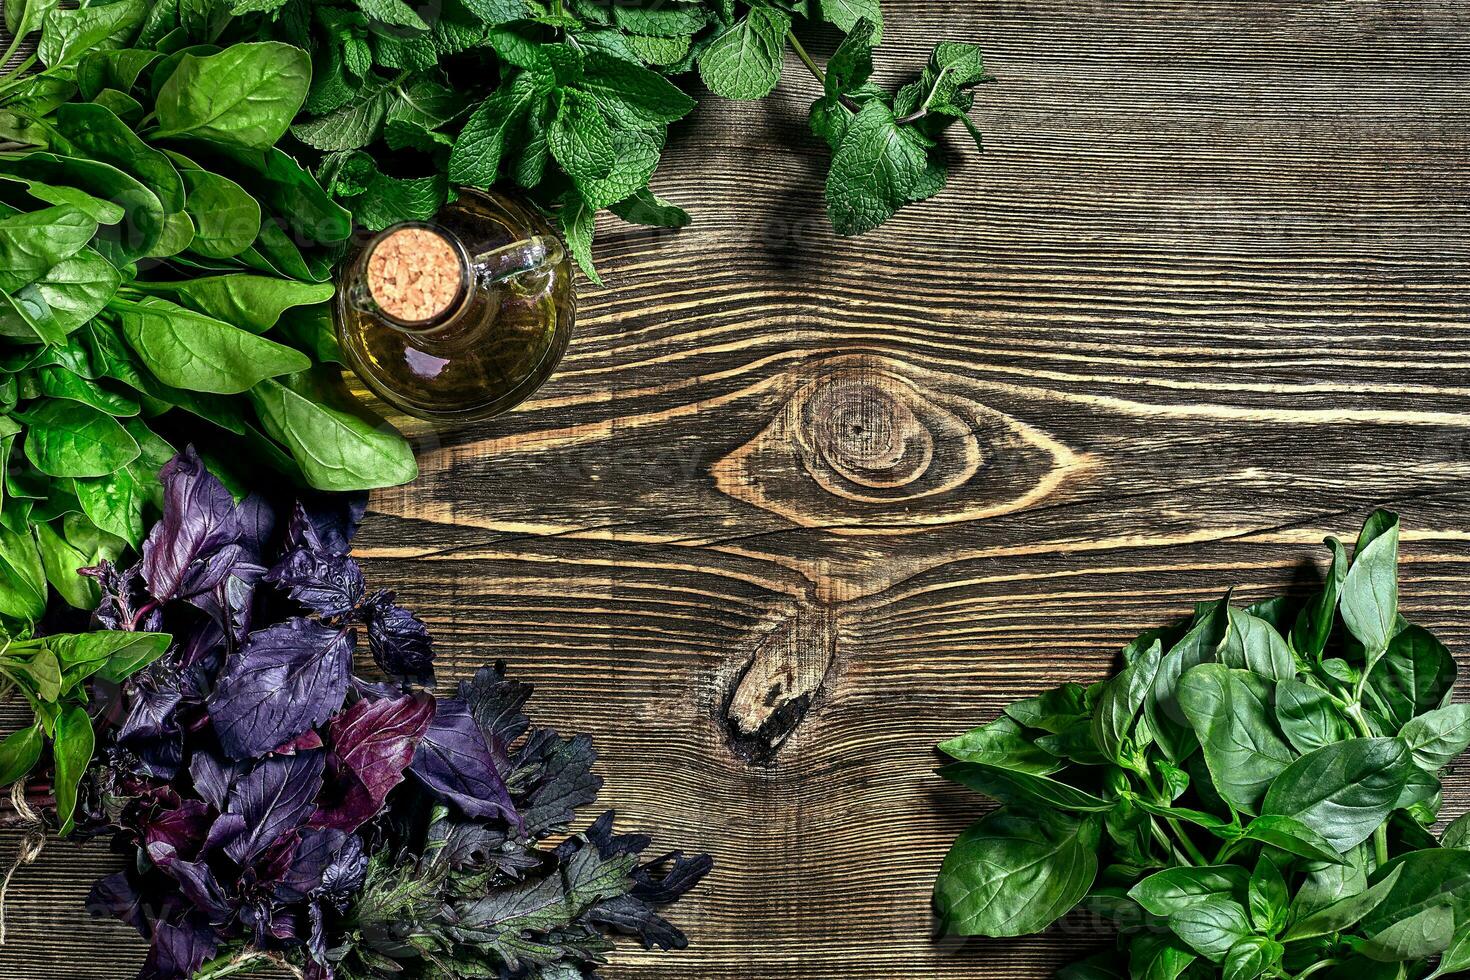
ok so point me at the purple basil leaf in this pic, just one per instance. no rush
(117, 897)
(189, 550)
(257, 521)
(226, 830)
(183, 829)
(284, 680)
(178, 951)
(373, 743)
(121, 591)
(151, 699)
(326, 524)
(399, 640)
(330, 585)
(328, 862)
(230, 601)
(454, 762)
(275, 798)
(212, 777)
(196, 882)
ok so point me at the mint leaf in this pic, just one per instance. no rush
(847, 13)
(580, 138)
(578, 224)
(394, 12)
(875, 170)
(475, 159)
(851, 65)
(637, 153)
(354, 125)
(389, 200)
(665, 20)
(646, 208)
(744, 60)
(632, 94)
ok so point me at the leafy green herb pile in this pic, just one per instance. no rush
(161, 259)
(571, 100)
(1247, 798)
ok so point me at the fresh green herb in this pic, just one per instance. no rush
(162, 264)
(1248, 797)
(51, 673)
(571, 100)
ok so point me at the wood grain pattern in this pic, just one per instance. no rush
(797, 507)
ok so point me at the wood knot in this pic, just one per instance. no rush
(868, 443)
(775, 689)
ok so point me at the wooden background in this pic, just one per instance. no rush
(797, 507)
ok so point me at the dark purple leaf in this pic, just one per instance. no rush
(286, 679)
(117, 897)
(497, 705)
(212, 777)
(399, 640)
(151, 701)
(305, 742)
(196, 882)
(178, 951)
(122, 598)
(552, 778)
(183, 829)
(454, 762)
(230, 601)
(326, 524)
(228, 828)
(275, 798)
(330, 585)
(373, 743)
(191, 548)
(257, 519)
(328, 862)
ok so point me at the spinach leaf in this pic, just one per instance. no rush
(246, 95)
(336, 448)
(197, 352)
(69, 439)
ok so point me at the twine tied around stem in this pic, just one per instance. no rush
(30, 846)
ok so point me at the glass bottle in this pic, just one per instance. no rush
(460, 317)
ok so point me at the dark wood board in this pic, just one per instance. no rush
(1202, 301)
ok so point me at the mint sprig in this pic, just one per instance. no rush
(569, 101)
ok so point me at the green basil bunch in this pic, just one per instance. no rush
(162, 264)
(1250, 796)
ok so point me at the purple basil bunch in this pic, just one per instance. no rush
(281, 808)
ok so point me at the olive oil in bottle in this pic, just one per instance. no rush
(460, 317)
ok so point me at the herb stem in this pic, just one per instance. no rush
(1355, 714)
(1315, 968)
(17, 75)
(1168, 845)
(816, 69)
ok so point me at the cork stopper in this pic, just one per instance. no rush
(414, 275)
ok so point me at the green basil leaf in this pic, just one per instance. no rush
(1251, 957)
(1370, 592)
(1343, 914)
(1173, 889)
(1345, 790)
(1122, 700)
(1001, 743)
(1211, 926)
(1437, 737)
(1015, 873)
(1308, 716)
(72, 750)
(1018, 786)
(1230, 711)
(1292, 836)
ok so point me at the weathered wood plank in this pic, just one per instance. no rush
(797, 507)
